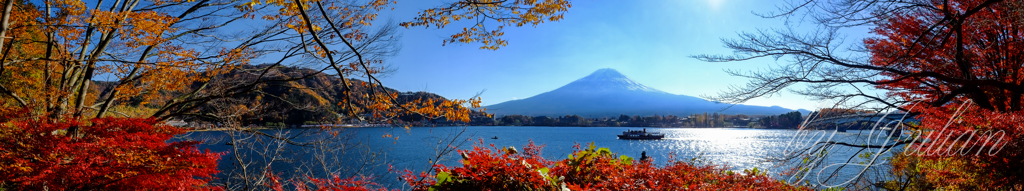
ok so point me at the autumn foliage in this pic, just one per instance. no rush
(335, 183)
(940, 57)
(972, 148)
(66, 66)
(962, 64)
(515, 13)
(110, 154)
(587, 168)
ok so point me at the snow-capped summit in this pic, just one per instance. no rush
(606, 79)
(608, 93)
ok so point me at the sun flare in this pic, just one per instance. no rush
(715, 4)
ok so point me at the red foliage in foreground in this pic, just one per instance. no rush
(486, 169)
(954, 53)
(973, 149)
(109, 154)
(586, 169)
(355, 183)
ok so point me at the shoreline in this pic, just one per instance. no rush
(402, 126)
(193, 129)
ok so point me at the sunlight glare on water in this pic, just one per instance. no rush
(736, 148)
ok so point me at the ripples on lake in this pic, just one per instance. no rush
(739, 148)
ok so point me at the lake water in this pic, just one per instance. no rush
(414, 149)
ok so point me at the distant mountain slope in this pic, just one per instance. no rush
(311, 99)
(608, 93)
(320, 94)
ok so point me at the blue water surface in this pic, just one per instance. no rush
(415, 148)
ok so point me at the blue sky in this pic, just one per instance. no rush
(649, 41)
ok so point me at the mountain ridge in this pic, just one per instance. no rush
(608, 93)
(289, 101)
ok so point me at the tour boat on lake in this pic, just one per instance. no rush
(634, 134)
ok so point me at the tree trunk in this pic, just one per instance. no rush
(5, 23)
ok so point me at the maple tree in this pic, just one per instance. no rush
(167, 59)
(954, 65)
(113, 154)
(67, 63)
(322, 184)
(981, 150)
(516, 13)
(964, 61)
(589, 168)
(961, 50)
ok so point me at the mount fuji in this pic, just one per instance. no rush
(608, 93)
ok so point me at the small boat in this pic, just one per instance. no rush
(643, 135)
(495, 137)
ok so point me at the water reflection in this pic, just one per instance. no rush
(735, 147)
